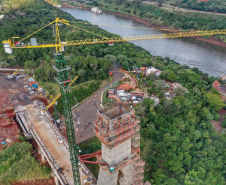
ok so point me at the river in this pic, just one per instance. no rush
(208, 57)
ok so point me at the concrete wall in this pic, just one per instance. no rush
(127, 171)
(107, 178)
(117, 153)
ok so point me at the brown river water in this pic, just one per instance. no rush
(207, 57)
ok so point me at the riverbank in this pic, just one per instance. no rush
(183, 9)
(165, 28)
(162, 28)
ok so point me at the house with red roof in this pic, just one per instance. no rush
(143, 68)
(220, 88)
(125, 86)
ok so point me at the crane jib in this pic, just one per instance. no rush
(9, 45)
(123, 39)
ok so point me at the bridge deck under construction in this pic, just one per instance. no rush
(38, 123)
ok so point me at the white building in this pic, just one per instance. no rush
(169, 96)
(96, 10)
(2, 16)
(150, 70)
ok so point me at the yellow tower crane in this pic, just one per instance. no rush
(9, 44)
(59, 95)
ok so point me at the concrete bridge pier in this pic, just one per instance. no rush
(43, 157)
(56, 180)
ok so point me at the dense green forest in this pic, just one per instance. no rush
(16, 163)
(179, 143)
(211, 5)
(161, 17)
(79, 93)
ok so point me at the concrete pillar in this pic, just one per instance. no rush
(107, 178)
(116, 154)
(43, 158)
(56, 180)
(127, 172)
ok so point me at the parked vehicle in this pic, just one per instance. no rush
(10, 77)
(60, 139)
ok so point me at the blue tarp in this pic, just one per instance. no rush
(34, 85)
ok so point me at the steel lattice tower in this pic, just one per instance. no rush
(63, 80)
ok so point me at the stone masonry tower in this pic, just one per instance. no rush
(118, 130)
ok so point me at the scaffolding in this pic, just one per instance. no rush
(114, 126)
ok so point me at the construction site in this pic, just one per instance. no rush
(116, 126)
(13, 94)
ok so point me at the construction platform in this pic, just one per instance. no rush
(38, 123)
(119, 132)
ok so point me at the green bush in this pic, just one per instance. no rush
(224, 124)
(224, 117)
(216, 117)
(79, 93)
(21, 138)
(16, 163)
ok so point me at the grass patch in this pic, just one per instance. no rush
(91, 146)
(51, 87)
(94, 168)
(86, 144)
(16, 163)
(54, 88)
(108, 100)
(81, 84)
(105, 99)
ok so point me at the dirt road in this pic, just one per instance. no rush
(217, 124)
(85, 114)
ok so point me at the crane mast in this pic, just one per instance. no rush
(63, 80)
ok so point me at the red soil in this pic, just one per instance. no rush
(217, 124)
(8, 131)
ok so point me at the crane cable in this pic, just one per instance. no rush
(146, 37)
(87, 31)
(64, 23)
(123, 26)
(131, 38)
(37, 31)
